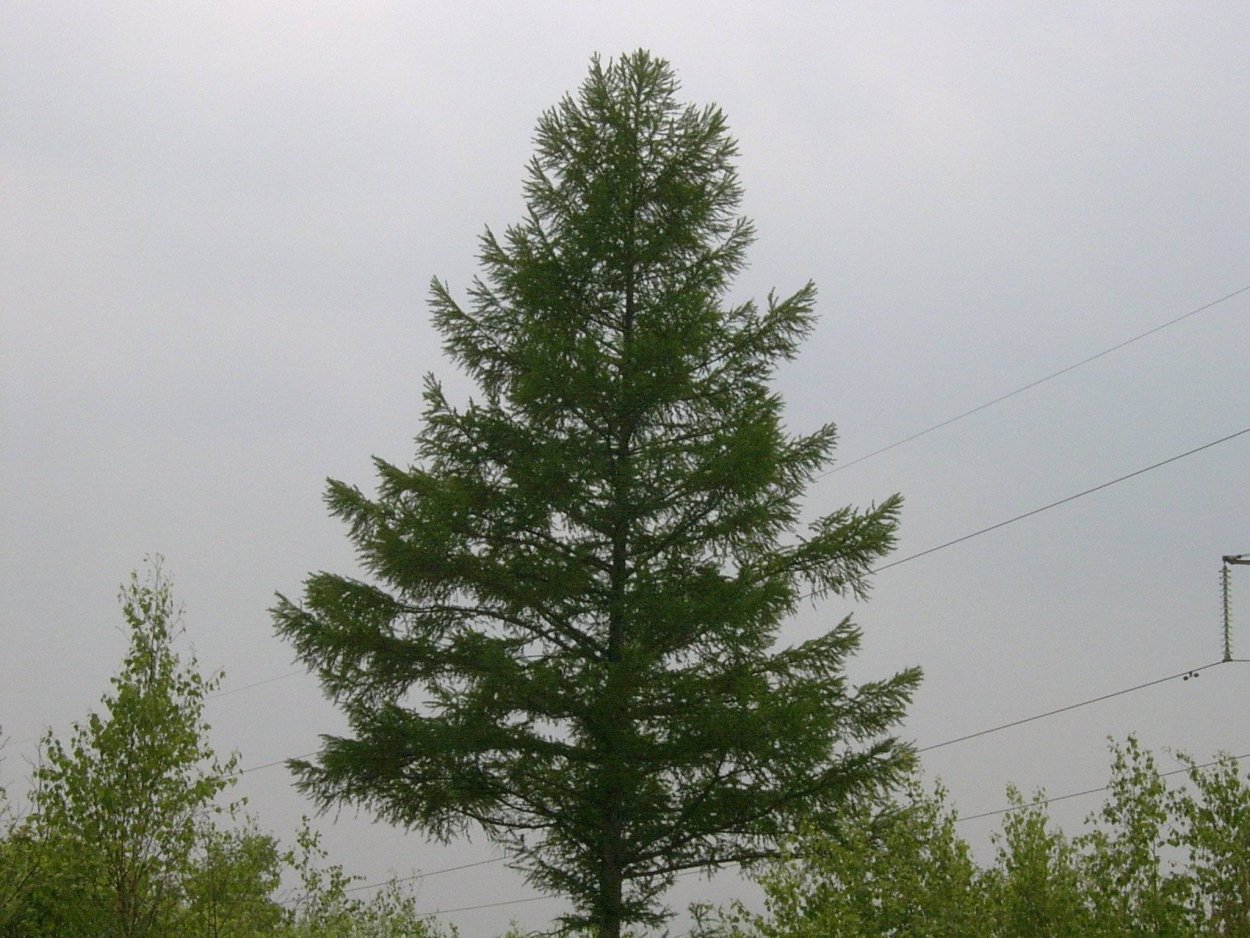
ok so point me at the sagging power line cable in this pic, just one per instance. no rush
(1185, 675)
(1061, 501)
(261, 683)
(276, 762)
(1041, 802)
(1032, 384)
(488, 905)
(415, 876)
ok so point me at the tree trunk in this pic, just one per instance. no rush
(611, 880)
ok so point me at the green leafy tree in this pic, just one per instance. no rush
(880, 870)
(1135, 883)
(229, 889)
(325, 905)
(1035, 888)
(1153, 861)
(119, 806)
(1213, 825)
(568, 635)
(19, 863)
(25, 870)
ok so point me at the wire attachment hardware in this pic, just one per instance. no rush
(1229, 560)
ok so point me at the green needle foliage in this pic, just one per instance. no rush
(568, 635)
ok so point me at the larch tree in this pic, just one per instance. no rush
(567, 633)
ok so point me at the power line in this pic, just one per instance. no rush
(415, 876)
(1187, 674)
(488, 905)
(1062, 501)
(268, 680)
(1032, 384)
(1041, 802)
(270, 765)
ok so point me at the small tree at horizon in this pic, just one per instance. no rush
(119, 806)
(124, 838)
(568, 635)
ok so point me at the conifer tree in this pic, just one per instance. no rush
(567, 632)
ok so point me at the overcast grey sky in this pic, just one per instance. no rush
(219, 221)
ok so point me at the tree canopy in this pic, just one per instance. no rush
(1156, 859)
(566, 633)
(125, 835)
(120, 807)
